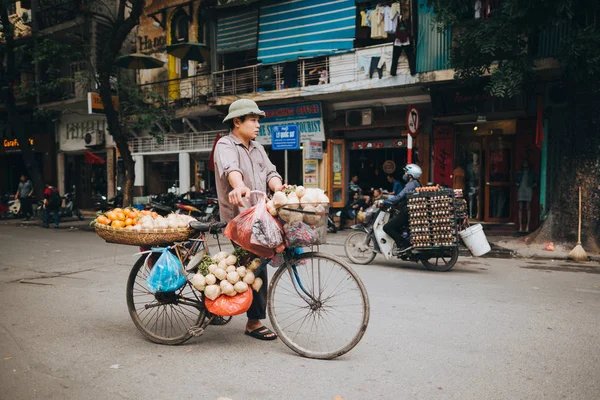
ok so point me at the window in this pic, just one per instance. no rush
(180, 27)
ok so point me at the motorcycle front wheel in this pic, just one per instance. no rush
(359, 248)
(441, 261)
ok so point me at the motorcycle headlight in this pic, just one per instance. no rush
(103, 197)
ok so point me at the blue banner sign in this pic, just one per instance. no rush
(285, 137)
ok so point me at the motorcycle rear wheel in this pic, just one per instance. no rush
(359, 248)
(442, 261)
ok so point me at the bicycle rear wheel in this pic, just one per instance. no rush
(318, 306)
(163, 318)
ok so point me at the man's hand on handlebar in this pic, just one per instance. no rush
(236, 196)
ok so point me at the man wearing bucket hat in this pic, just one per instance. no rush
(242, 165)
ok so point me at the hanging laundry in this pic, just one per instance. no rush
(363, 18)
(385, 59)
(369, 16)
(377, 23)
(363, 63)
(373, 67)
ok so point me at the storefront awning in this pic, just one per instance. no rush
(292, 29)
(91, 158)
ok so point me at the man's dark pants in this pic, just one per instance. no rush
(26, 209)
(258, 308)
(55, 211)
(397, 225)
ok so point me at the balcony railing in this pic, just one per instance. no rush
(262, 78)
(182, 92)
(319, 75)
(56, 12)
(192, 142)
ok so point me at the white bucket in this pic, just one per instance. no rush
(475, 240)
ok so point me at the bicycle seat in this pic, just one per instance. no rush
(207, 227)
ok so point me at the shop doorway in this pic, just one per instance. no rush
(374, 165)
(488, 163)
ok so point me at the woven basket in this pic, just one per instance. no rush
(145, 237)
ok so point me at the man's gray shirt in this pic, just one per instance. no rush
(25, 188)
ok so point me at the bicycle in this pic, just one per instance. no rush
(299, 299)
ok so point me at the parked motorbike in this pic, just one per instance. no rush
(369, 239)
(205, 211)
(102, 203)
(5, 203)
(69, 209)
(331, 227)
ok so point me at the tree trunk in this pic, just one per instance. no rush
(119, 33)
(574, 146)
(120, 137)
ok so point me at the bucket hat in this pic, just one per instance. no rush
(242, 107)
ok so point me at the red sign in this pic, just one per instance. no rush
(412, 120)
(443, 152)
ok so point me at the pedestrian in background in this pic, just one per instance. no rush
(24, 193)
(52, 203)
(397, 186)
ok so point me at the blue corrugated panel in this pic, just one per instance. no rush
(305, 28)
(237, 32)
(433, 46)
(550, 38)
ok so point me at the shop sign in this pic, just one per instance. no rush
(412, 120)
(389, 167)
(151, 45)
(285, 137)
(443, 156)
(314, 150)
(378, 144)
(308, 117)
(13, 145)
(95, 105)
(472, 100)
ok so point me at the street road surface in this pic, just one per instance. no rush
(489, 329)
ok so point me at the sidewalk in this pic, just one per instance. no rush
(502, 246)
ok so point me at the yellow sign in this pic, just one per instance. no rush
(14, 143)
(95, 105)
(337, 178)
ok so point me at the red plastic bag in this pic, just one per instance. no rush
(228, 306)
(239, 230)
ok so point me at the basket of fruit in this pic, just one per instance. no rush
(142, 228)
(303, 213)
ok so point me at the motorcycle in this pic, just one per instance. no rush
(369, 239)
(102, 203)
(5, 202)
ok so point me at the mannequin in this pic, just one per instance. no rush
(472, 174)
(525, 182)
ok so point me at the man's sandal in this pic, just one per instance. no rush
(262, 333)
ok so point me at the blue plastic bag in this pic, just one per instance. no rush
(167, 273)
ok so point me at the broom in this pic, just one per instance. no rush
(578, 253)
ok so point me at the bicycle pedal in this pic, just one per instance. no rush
(196, 331)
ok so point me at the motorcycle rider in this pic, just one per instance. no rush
(396, 227)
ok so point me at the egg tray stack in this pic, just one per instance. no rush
(460, 205)
(432, 217)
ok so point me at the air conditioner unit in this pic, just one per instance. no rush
(93, 138)
(359, 117)
(26, 17)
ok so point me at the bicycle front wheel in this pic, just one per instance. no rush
(164, 318)
(318, 306)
